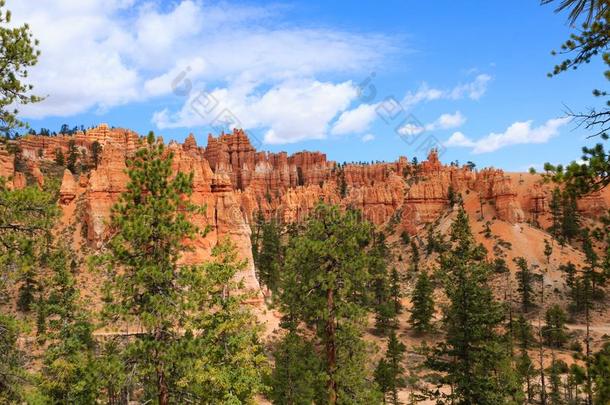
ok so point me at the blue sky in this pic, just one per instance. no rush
(469, 77)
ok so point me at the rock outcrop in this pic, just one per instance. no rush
(235, 181)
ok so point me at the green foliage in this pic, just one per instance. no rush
(389, 372)
(472, 354)
(96, 152)
(211, 354)
(325, 286)
(12, 372)
(600, 372)
(298, 375)
(17, 53)
(405, 237)
(525, 279)
(72, 156)
(268, 257)
(59, 157)
(554, 332)
(422, 299)
(590, 42)
(69, 368)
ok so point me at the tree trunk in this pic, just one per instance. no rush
(331, 347)
(162, 389)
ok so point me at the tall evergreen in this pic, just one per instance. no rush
(69, 372)
(471, 355)
(525, 279)
(422, 309)
(325, 286)
(196, 340)
(389, 373)
(269, 255)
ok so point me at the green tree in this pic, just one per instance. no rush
(298, 375)
(554, 331)
(59, 157)
(422, 300)
(600, 373)
(69, 367)
(197, 340)
(325, 286)
(588, 43)
(96, 153)
(525, 279)
(524, 363)
(17, 54)
(12, 371)
(472, 355)
(269, 255)
(389, 373)
(548, 251)
(72, 156)
(556, 214)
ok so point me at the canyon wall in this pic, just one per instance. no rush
(235, 181)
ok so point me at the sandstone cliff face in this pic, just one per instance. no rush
(235, 181)
(7, 164)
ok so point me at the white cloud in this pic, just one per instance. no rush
(97, 54)
(517, 133)
(473, 90)
(411, 129)
(356, 120)
(292, 111)
(445, 121)
(448, 121)
(368, 138)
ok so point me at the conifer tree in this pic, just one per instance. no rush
(297, 377)
(389, 371)
(525, 278)
(554, 331)
(17, 54)
(548, 251)
(525, 366)
(600, 375)
(325, 286)
(69, 372)
(197, 341)
(96, 153)
(72, 156)
(556, 214)
(423, 304)
(471, 355)
(12, 366)
(59, 157)
(268, 258)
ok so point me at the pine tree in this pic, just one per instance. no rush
(12, 366)
(414, 256)
(383, 303)
(324, 285)
(395, 294)
(548, 251)
(600, 374)
(59, 157)
(18, 53)
(570, 225)
(525, 278)
(72, 156)
(525, 366)
(389, 371)
(297, 377)
(472, 355)
(554, 331)
(69, 372)
(422, 310)
(269, 258)
(211, 354)
(96, 153)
